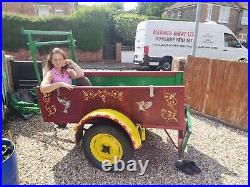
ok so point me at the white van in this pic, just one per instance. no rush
(157, 42)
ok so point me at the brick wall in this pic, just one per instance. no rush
(19, 8)
(23, 54)
(189, 13)
(118, 48)
(29, 8)
(203, 12)
(233, 18)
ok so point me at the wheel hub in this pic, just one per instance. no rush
(106, 147)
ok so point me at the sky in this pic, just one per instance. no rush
(127, 5)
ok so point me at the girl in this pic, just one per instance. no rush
(57, 72)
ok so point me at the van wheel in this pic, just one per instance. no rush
(166, 66)
(153, 68)
(105, 142)
(146, 68)
(142, 68)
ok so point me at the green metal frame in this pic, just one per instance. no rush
(137, 80)
(34, 44)
(27, 109)
(187, 135)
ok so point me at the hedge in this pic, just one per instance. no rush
(126, 24)
(88, 27)
(12, 37)
(92, 28)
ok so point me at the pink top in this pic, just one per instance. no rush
(58, 77)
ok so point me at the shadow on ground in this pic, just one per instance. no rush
(34, 128)
(75, 169)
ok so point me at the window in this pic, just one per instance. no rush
(209, 12)
(231, 41)
(244, 19)
(179, 15)
(42, 11)
(242, 37)
(224, 14)
(59, 12)
(172, 15)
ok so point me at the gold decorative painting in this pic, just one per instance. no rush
(51, 109)
(87, 95)
(171, 112)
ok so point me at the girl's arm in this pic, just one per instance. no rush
(77, 71)
(47, 87)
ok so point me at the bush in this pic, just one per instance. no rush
(13, 39)
(126, 24)
(92, 27)
(88, 25)
(11, 33)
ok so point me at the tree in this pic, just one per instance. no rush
(152, 9)
(117, 6)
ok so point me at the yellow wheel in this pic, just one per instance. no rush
(106, 142)
(106, 147)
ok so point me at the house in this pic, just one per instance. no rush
(234, 15)
(39, 8)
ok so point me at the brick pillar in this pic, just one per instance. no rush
(118, 49)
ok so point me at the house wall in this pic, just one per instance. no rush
(86, 56)
(189, 14)
(29, 8)
(18, 8)
(233, 18)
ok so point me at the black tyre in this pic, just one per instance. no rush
(146, 68)
(166, 66)
(104, 142)
(153, 68)
(142, 68)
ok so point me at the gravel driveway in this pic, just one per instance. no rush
(48, 156)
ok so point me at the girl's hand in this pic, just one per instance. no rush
(68, 62)
(66, 85)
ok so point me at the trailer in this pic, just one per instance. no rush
(113, 114)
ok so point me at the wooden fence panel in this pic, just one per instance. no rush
(219, 89)
(196, 73)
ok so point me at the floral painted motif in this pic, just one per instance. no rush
(51, 109)
(90, 94)
(169, 114)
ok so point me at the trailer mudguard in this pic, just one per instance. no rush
(119, 119)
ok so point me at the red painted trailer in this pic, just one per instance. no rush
(119, 106)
